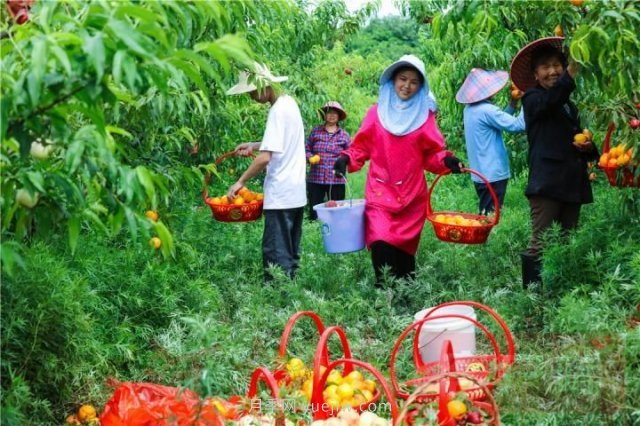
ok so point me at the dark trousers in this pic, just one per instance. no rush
(281, 240)
(400, 263)
(486, 206)
(544, 212)
(319, 192)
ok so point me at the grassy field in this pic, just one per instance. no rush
(206, 319)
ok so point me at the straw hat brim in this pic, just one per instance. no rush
(342, 115)
(480, 85)
(521, 73)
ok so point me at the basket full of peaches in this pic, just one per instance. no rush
(620, 163)
(246, 207)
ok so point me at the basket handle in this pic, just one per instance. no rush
(207, 178)
(421, 366)
(443, 416)
(511, 350)
(262, 374)
(321, 357)
(607, 138)
(288, 328)
(317, 400)
(496, 202)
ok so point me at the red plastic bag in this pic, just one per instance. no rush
(147, 404)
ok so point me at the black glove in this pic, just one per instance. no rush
(340, 166)
(453, 164)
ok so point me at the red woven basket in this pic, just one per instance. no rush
(318, 405)
(320, 359)
(448, 383)
(462, 233)
(232, 212)
(281, 374)
(619, 177)
(494, 364)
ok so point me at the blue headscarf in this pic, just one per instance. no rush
(401, 117)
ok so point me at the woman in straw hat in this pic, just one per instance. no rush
(558, 178)
(324, 144)
(484, 123)
(282, 150)
(400, 139)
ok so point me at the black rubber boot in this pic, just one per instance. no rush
(531, 269)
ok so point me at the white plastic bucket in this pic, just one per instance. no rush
(461, 332)
(342, 226)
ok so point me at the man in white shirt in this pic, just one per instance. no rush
(282, 153)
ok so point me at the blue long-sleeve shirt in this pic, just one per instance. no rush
(484, 123)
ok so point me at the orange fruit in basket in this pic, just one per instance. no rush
(238, 201)
(457, 409)
(330, 391)
(259, 197)
(604, 159)
(249, 196)
(215, 200)
(224, 200)
(623, 160)
(345, 391)
(369, 385)
(354, 376)
(612, 163)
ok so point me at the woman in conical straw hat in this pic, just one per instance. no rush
(484, 123)
(558, 183)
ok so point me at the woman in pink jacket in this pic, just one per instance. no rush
(400, 138)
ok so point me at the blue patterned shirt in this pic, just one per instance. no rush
(328, 146)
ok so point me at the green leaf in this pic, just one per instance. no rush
(73, 156)
(74, 232)
(129, 36)
(94, 48)
(146, 180)
(190, 71)
(62, 57)
(37, 180)
(119, 131)
(167, 239)
(11, 257)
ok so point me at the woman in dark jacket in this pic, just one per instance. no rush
(558, 176)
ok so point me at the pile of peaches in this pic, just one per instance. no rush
(245, 196)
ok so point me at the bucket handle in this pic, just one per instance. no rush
(346, 183)
(263, 374)
(511, 350)
(418, 325)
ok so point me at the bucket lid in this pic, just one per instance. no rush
(451, 323)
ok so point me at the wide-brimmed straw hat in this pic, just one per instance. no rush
(406, 60)
(521, 72)
(342, 114)
(259, 76)
(481, 84)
